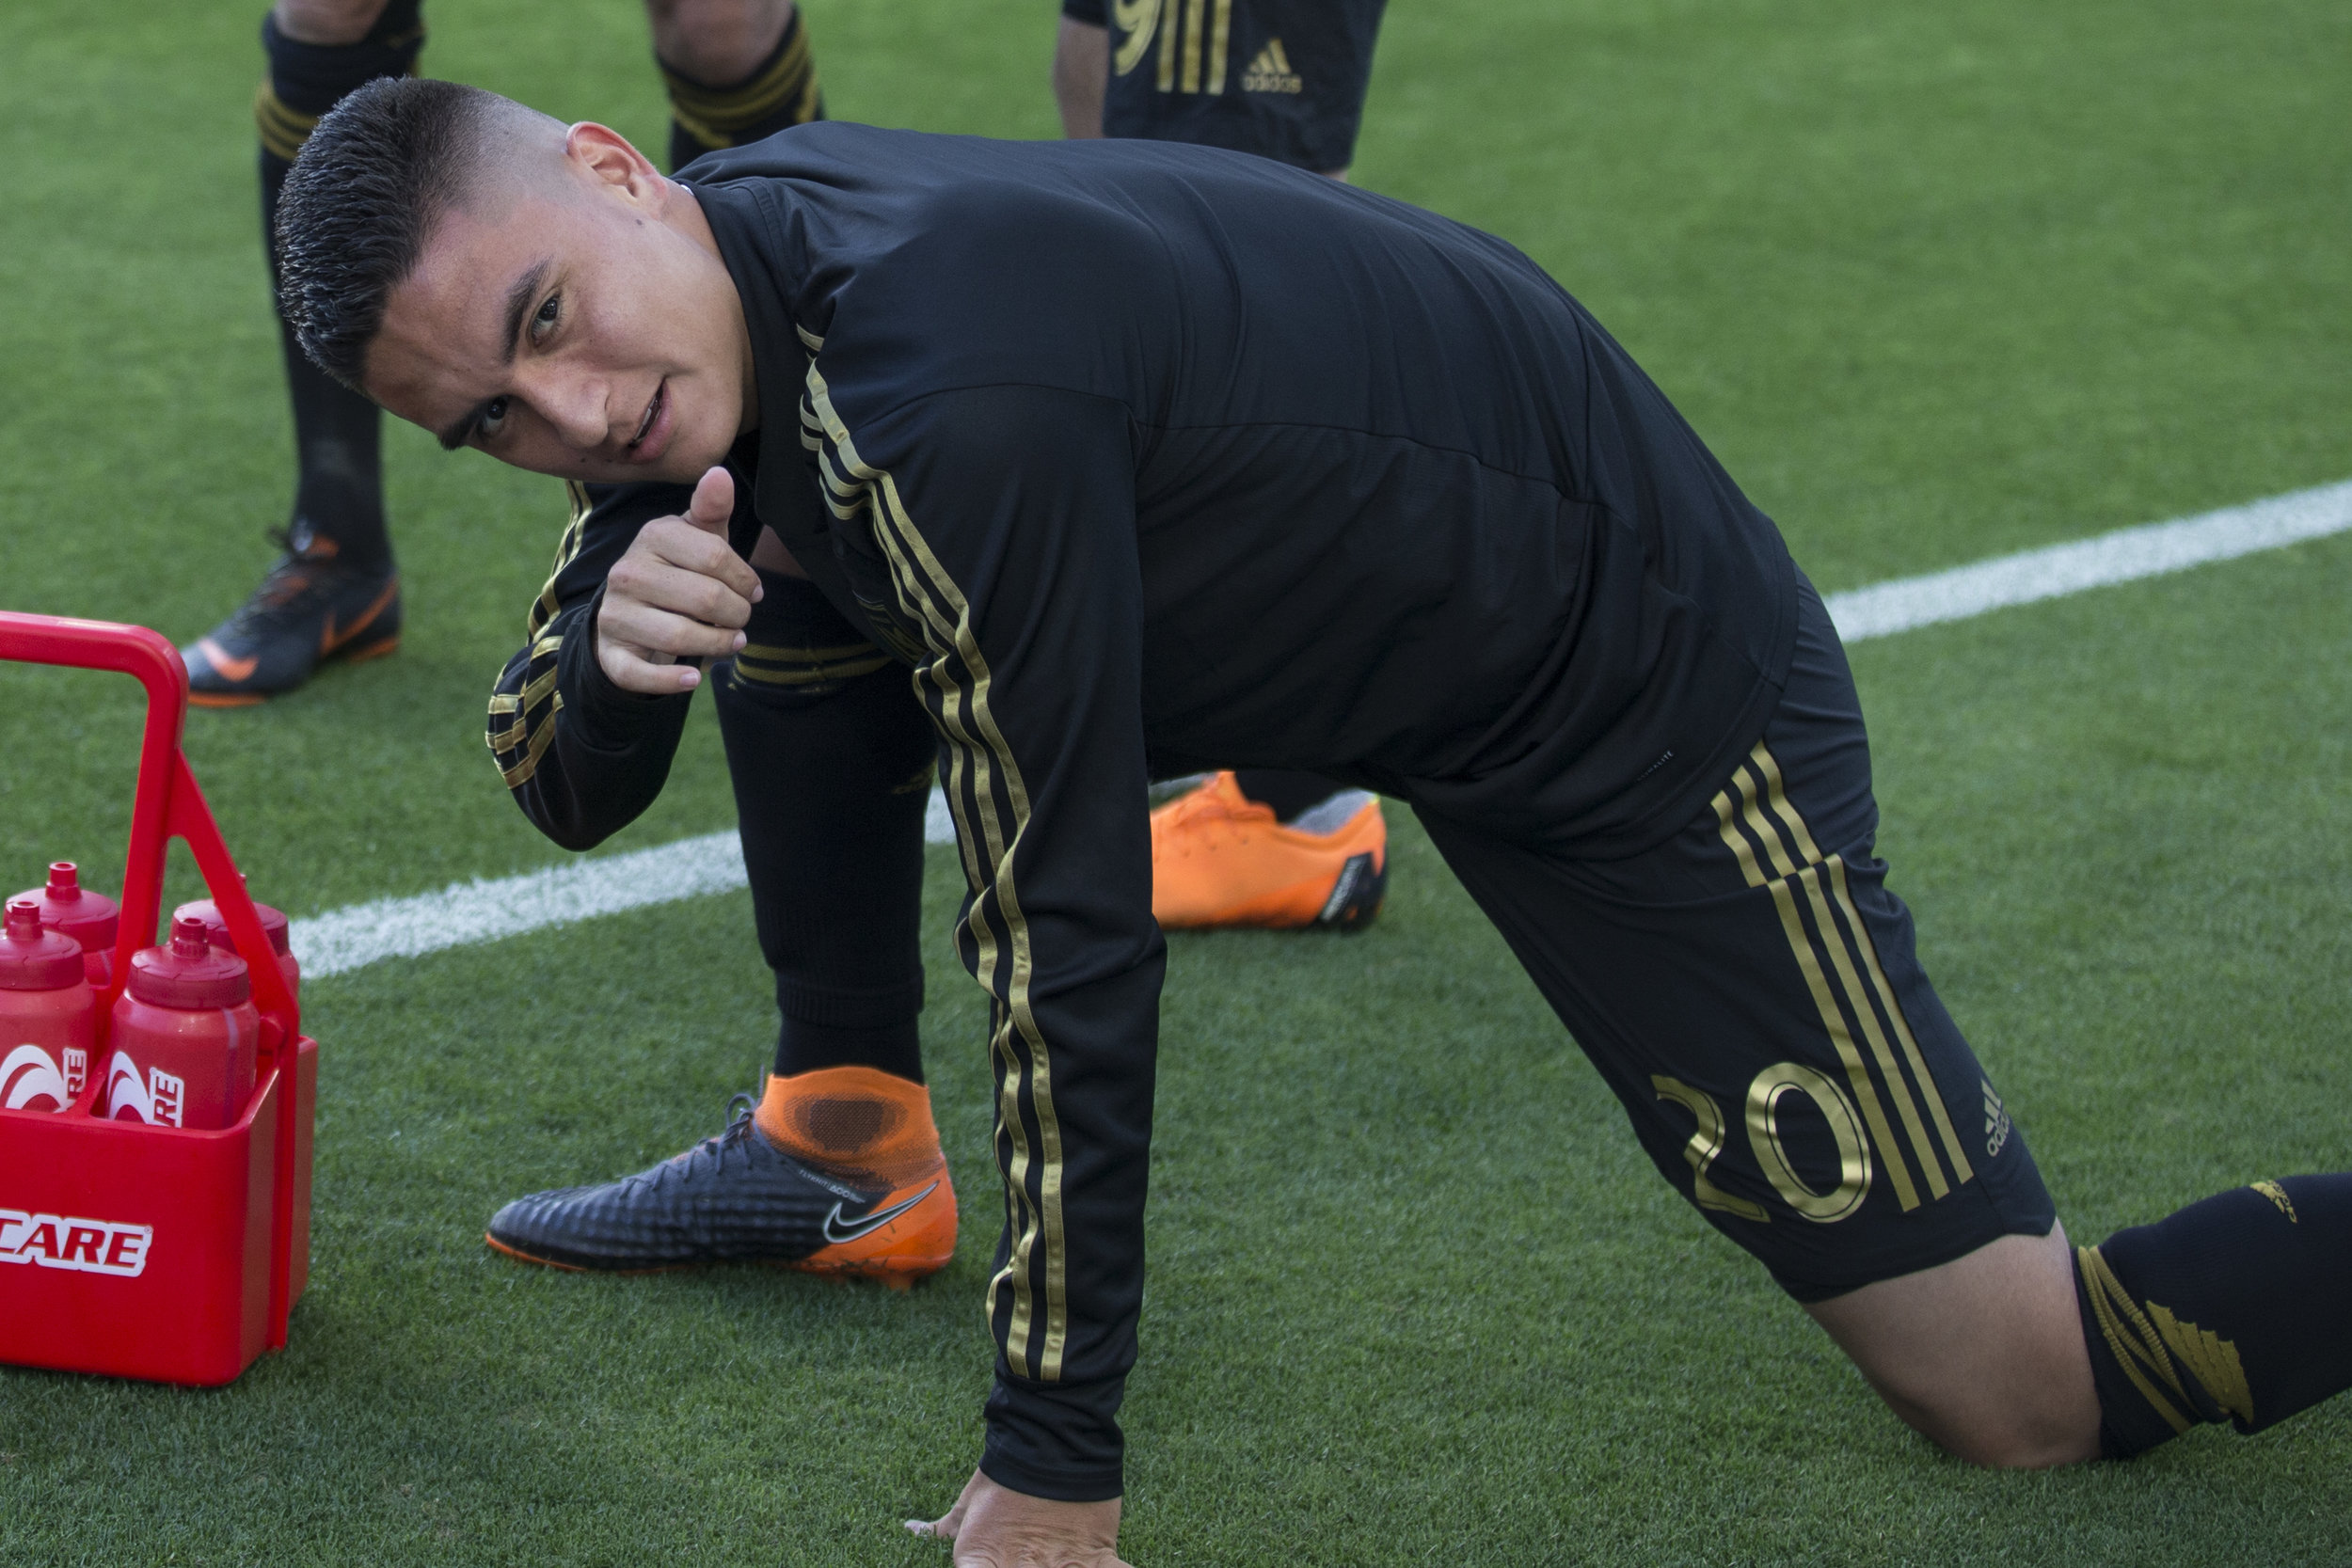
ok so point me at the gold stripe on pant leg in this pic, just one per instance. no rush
(1838, 945)
(1869, 952)
(1961, 1167)
(1809, 963)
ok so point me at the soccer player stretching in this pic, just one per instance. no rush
(1139, 456)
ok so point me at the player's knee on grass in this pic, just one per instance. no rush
(1981, 1355)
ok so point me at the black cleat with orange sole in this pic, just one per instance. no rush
(736, 1198)
(309, 608)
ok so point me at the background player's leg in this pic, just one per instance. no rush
(334, 592)
(1265, 847)
(1082, 64)
(738, 70)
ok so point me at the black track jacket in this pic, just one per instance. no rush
(1150, 458)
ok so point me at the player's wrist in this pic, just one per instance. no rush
(611, 714)
(1059, 1442)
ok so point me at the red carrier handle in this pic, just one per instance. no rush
(169, 805)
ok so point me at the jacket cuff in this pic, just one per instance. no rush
(1056, 1440)
(606, 718)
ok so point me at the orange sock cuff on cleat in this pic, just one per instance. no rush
(857, 1121)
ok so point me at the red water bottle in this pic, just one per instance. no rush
(273, 926)
(48, 1014)
(89, 918)
(185, 1036)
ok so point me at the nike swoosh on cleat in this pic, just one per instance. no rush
(228, 669)
(329, 641)
(836, 1232)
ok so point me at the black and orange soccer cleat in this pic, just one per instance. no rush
(834, 1172)
(1219, 858)
(309, 608)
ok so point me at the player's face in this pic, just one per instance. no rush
(574, 319)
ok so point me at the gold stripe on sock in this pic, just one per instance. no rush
(716, 115)
(2130, 1338)
(2210, 1360)
(283, 131)
(2279, 1199)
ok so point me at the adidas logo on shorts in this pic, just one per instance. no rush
(1996, 1122)
(1271, 71)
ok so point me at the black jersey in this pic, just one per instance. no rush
(1148, 457)
(1282, 78)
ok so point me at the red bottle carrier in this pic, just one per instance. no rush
(163, 1252)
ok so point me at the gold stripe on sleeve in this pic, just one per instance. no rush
(991, 802)
(543, 608)
(542, 736)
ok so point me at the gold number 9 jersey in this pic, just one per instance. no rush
(1284, 79)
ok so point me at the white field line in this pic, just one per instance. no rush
(2126, 555)
(463, 914)
(468, 913)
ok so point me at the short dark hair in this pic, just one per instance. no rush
(361, 200)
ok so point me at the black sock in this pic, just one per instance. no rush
(832, 759)
(2232, 1309)
(781, 91)
(339, 485)
(1289, 796)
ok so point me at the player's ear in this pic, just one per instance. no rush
(606, 156)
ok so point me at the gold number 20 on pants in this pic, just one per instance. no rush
(1764, 1093)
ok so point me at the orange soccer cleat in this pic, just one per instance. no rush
(1219, 858)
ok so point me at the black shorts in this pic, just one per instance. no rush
(1750, 990)
(1281, 78)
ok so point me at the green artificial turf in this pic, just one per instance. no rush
(1936, 282)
